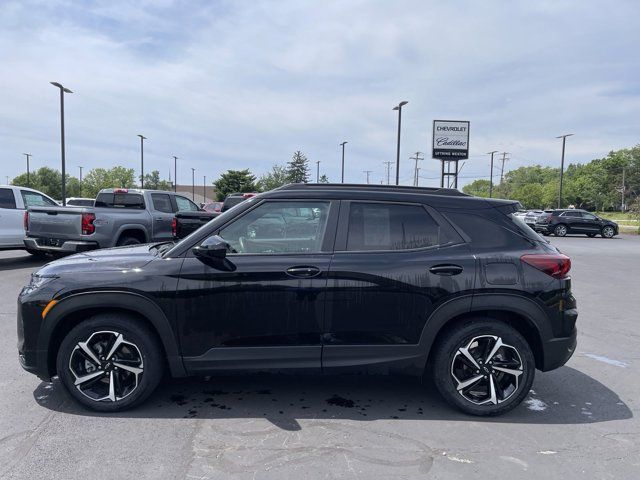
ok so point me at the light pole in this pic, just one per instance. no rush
(28, 155)
(343, 144)
(399, 109)
(142, 139)
(204, 189)
(193, 184)
(80, 179)
(318, 171)
(63, 90)
(175, 173)
(491, 175)
(564, 141)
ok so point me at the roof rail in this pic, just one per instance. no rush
(363, 186)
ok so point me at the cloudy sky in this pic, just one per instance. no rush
(243, 84)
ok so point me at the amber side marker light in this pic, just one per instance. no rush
(48, 307)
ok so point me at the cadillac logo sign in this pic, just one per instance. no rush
(450, 139)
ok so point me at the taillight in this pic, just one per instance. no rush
(87, 223)
(174, 226)
(556, 266)
(26, 220)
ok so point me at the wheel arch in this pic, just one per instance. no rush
(135, 231)
(71, 311)
(521, 313)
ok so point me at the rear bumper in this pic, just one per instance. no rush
(543, 228)
(558, 351)
(68, 246)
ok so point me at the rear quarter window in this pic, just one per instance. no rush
(487, 232)
(7, 200)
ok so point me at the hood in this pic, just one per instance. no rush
(108, 259)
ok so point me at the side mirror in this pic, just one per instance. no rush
(213, 248)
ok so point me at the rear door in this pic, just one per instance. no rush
(591, 223)
(162, 213)
(573, 220)
(393, 265)
(11, 220)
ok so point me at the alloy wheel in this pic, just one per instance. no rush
(560, 231)
(607, 232)
(106, 367)
(486, 370)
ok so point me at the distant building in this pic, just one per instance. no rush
(202, 194)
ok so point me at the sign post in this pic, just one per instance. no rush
(450, 145)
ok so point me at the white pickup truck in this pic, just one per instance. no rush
(14, 202)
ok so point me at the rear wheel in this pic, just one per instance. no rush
(608, 232)
(110, 362)
(124, 241)
(36, 253)
(560, 230)
(483, 367)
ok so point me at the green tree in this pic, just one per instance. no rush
(323, 179)
(234, 181)
(99, 178)
(277, 177)
(45, 179)
(634, 210)
(152, 181)
(478, 188)
(298, 168)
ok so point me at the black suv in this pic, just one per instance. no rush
(312, 278)
(566, 221)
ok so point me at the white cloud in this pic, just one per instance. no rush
(244, 84)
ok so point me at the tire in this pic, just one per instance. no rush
(546, 234)
(124, 241)
(113, 385)
(607, 231)
(36, 253)
(560, 230)
(448, 359)
(591, 235)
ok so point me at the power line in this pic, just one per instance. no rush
(367, 172)
(388, 167)
(504, 159)
(417, 158)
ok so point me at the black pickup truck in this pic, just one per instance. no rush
(185, 223)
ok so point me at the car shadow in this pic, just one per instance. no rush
(564, 396)
(23, 261)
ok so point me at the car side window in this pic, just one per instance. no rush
(35, 199)
(7, 200)
(386, 226)
(571, 214)
(279, 227)
(588, 216)
(185, 204)
(161, 202)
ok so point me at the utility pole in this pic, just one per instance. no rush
(343, 144)
(417, 158)
(63, 90)
(388, 167)
(204, 189)
(175, 173)
(317, 171)
(193, 184)
(80, 179)
(564, 140)
(7, 177)
(504, 159)
(142, 139)
(491, 174)
(28, 155)
(622, 190)
(367, 172)
(399, 109)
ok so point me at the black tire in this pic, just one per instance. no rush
(446, 353)
(124, 241)
(546, 234)
(591, 235)
(560, 230)
(134, 388)
(608, 232)
(36, 253)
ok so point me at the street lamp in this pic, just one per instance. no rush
(193, 184)
(80, 179)
(28, 155)
(399, 109)
(142, 139)
(343, 144)
(63, 90)
(564, 140)
(175, 173)
(491, 175)
(317, 171)
(204, 189)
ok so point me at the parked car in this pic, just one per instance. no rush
(573, 221)
(213, 207)
(312, 278)
(14, 201)
(234, 199)
(531, 216)
(80, 202)
(120, 217)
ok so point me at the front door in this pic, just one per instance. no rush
(162, 215)
(11, 219)
(394, 264)
(264, 307)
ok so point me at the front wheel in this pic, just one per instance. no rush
(110, 362)
(483, 367)
(608, 232)
(560, 230)
(591, 235)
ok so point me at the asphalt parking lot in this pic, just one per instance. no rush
(580, 421)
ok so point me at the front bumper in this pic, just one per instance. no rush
(68, 246)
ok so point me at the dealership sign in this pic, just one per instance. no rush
(450, 139)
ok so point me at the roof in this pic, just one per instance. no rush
(451, 192)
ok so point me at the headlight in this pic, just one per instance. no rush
(37, 281)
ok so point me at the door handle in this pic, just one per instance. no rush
(447, 270)
(303, 271)
(159, 219)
